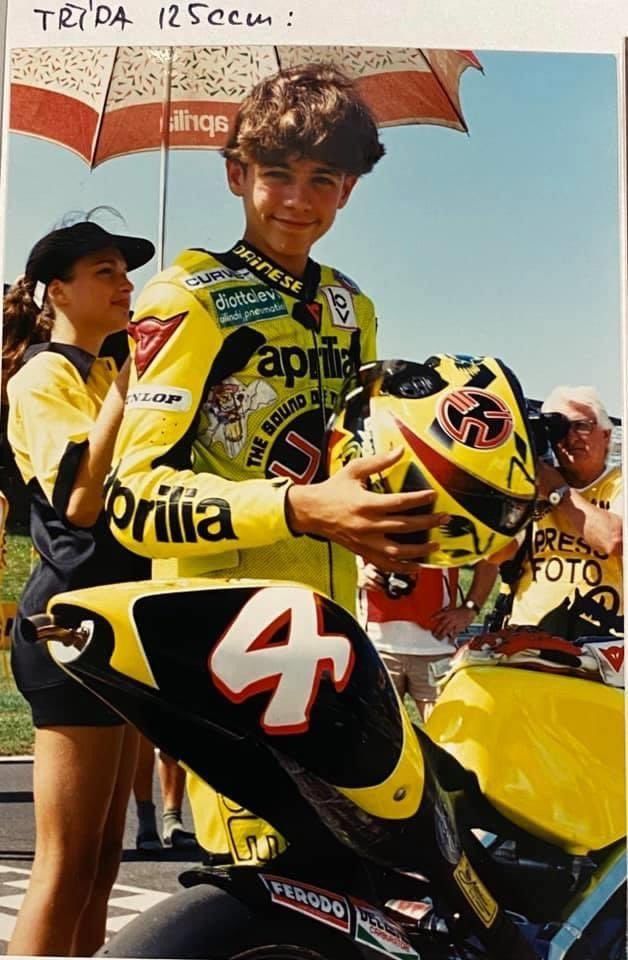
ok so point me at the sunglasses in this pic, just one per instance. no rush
(582, 427)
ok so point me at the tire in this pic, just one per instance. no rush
(281, 952)
(205, 923)
(189, 924)
(281, 937)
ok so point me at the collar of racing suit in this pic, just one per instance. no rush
(243, 255)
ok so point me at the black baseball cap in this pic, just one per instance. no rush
(55, 253)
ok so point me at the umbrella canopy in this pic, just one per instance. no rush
(104, 102)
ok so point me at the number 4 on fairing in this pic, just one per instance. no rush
(289, 654)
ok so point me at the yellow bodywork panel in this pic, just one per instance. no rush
(548, 750)
(399, 795)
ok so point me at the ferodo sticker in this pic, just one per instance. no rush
(475, 892)
(374, 930)
(327, 907)
(176, 399)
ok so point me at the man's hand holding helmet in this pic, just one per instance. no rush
(344, 510)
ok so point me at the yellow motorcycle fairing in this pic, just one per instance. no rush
(378, 765)
(115, 604)
(399, 796)
(547, 750)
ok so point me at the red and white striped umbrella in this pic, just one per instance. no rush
(104, 102)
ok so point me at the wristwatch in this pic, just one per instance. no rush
(471, 605)
(557, 496)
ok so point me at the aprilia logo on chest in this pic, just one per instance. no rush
(293, 363)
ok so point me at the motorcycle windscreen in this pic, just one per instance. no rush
(548, 750)
(277, 665)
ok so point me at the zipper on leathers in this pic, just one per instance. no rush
(321, 406)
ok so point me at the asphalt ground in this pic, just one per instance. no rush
(144, 878)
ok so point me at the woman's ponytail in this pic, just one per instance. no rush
(23, 324)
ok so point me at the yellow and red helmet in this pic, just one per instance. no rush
(462, 424)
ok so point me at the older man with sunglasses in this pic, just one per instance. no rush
(571, 582)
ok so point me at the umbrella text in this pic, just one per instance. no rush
(184, 121)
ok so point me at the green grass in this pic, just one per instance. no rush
(18, 553)
(16, 728)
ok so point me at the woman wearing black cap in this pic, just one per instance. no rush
(65, 406)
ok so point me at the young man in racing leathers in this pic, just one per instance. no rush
(239, 357)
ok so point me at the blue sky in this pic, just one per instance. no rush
(505, 242)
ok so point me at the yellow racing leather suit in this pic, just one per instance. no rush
(237, 365)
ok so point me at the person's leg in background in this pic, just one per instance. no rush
(419, 686)
(172, 780)
(394, 663)
(147, 836)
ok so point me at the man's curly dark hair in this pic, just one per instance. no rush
(312, 111)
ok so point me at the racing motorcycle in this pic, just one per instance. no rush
(496, 831)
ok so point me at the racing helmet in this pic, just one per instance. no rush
(463, 427)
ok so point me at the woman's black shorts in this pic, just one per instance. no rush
(69, 704)
(54, 697)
